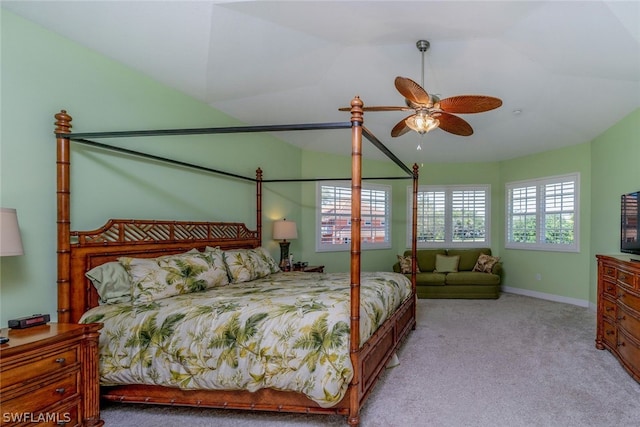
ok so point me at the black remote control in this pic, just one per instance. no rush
(4, 340)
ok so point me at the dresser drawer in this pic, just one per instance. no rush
(609, 308)
(609, 287)
(629, 321)
(629, 351)
(629, 299)
(626, 278)
(609, 272)
(43, 396)
(45, 365)
(609, 334)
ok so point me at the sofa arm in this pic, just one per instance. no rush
(497, 269)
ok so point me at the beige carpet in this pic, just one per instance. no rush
(515, 361)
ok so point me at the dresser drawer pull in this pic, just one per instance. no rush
(622, 277)
(61, 390)
(609, 309)
(610, 332)
(621, 344)
(61, 360)
(609, 288)
(621, 317)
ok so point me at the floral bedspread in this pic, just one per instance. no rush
(287, 331)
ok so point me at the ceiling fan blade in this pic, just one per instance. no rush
(453, 124)
(412, 91)
(401, 128)
(466, 104)
(378, 108)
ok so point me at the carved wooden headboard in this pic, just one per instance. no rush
(141, 239)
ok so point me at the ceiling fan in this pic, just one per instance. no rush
(431, 112)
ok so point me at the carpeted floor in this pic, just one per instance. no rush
(515, 361)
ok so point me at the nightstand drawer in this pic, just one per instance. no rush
(45, 365)
(43, 396)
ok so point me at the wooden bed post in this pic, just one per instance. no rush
(63, 125)
(259, 204)
(356, 192)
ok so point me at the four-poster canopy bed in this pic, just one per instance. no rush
(137, 240)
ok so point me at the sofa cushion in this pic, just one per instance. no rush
(472, 278)
(486, 263)
(427, 258)
(446, 264)
(430, 279)
(468, 257)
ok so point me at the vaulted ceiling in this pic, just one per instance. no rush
(566, 71)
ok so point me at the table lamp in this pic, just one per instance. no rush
(284, 230)
(10, 241)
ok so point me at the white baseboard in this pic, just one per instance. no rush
(550, 297)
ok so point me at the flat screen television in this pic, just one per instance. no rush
(630, 217)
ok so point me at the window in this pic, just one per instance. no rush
(542, 214)
(451, 216)
(334, 216)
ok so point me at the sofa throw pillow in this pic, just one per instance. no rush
(446, 264)
(485, 263)
(112, 282)
(405, 264)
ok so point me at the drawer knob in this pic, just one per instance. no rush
(621, 344)
(60, 390)
(609, 309)
(621, 317)
(610, 332)
(60, 360)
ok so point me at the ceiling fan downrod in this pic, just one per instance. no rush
(423, 46)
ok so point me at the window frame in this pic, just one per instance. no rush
(364, 245)
(448, 240)
(542, 211)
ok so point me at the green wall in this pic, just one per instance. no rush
(615, 171)
(544, 273)
(42, 73)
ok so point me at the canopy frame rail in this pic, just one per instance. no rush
(83, 138)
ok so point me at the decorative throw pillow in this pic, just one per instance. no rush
(446, 264)
(112, 282)
(485, 263)
(163, 277)
(405, 264)
(244, 265)
(266, 257)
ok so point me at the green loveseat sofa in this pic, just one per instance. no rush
(463, 283)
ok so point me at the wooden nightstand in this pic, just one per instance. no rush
(50, 375)
(311, 269)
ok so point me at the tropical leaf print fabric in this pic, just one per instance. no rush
(288, 331)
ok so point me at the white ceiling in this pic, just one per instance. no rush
(571, 69)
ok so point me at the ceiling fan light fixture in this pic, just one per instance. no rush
(422, 122)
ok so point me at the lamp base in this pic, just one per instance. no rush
(284, 256)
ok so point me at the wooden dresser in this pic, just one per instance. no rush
(618, 327)
(49, 376)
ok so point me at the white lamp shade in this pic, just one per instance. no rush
(10, 241)
(284, 230)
